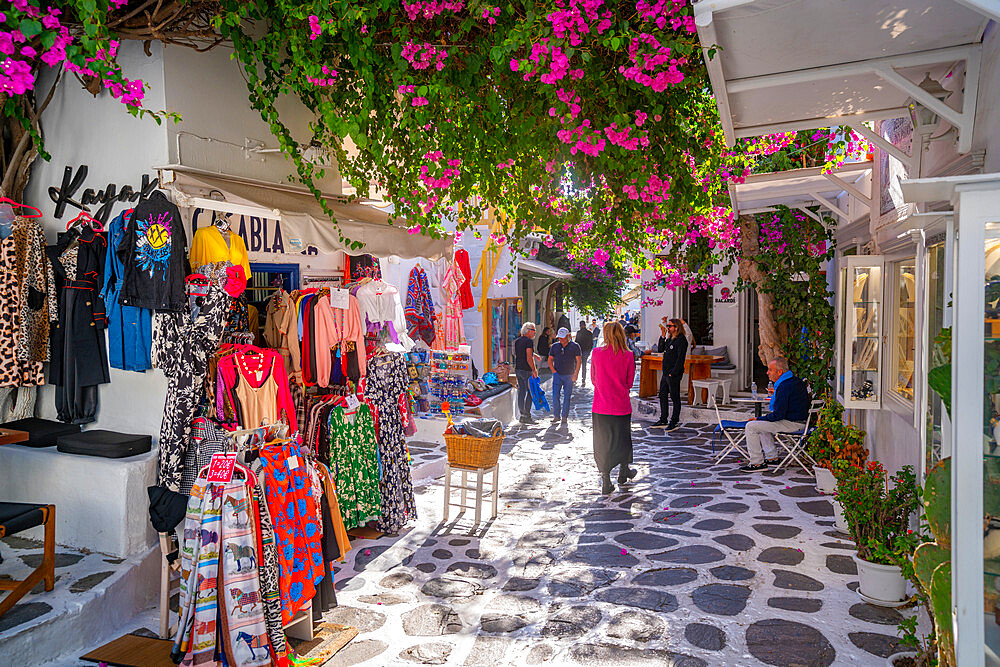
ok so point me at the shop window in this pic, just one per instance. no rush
(904, 317)
(861, 349)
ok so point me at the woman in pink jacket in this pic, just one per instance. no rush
(612, 371)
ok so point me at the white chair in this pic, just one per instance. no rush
(795, 442)
(734, 432)
(477, 490)
(711, 386)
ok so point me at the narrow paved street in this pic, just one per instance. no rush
(694, 564)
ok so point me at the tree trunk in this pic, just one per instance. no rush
(772, 334)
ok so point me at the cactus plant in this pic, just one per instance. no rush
(932, 562)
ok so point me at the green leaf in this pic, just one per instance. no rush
(30, 27)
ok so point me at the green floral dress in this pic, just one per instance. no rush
(354, 464)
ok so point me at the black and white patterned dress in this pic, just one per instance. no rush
(386, 382)
(183, 347)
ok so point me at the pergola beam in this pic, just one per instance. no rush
(812, 215)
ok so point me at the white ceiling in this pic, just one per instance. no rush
(789, 38)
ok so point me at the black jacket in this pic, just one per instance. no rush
(674, 352)
(585, 339)
(154, 252)
(791, 402)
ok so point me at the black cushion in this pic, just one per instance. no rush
(15, 517)
(108, 444)
(41, 432)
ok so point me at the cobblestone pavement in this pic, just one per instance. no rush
(691, 564)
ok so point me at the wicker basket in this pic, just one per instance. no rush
(502, 371)
(469, 452)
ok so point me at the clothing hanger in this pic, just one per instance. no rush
(85, 219)
(8, 200)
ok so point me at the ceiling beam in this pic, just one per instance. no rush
(717, 77)
(811, 74)
(824, 121)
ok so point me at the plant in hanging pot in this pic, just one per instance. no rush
(833, 441)
(878, 509)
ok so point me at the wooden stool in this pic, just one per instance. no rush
(15, 517)
(466, 488)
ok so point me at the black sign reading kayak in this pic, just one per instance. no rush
(107, 197)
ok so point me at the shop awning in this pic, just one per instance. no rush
(785, 65)
(542, 269)
(631, 294)
(303, 220)
(801, 188)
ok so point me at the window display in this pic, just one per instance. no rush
(861, 290)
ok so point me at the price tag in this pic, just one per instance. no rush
(220, 468)
(340, 298)
(353, 403)
(293, 462)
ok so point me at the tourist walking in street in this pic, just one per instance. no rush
(788, 410)
(596, 330)
(525, 369)
(585, 339)
(612, 371)
(564, 361)
(674, 351)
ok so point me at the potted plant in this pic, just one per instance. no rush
(878, 509)
(833, 440)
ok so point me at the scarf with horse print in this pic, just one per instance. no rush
(227, 571)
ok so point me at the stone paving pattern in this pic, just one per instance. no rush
(691, 564)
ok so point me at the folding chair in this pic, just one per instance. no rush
(795, 442)
(728, 429)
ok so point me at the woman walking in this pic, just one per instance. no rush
(674, 350)
(612, 372)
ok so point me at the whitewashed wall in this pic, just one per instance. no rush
(118, 149)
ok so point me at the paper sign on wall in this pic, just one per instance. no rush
(220, 468)
(340, 298)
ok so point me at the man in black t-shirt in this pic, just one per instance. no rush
(524, 369)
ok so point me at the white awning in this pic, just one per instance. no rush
(302, 218)
(785, 65)
(801, 188)
(542, 269)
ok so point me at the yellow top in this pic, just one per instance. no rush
(208, 246)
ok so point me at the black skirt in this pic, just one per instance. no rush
(612, 441)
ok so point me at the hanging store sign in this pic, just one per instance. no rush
(71, 183)
(259, 234)
(726, 295)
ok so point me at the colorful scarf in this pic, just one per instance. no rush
(419, 309)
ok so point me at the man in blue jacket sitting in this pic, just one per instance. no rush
(789, 410)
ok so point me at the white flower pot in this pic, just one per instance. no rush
(825, 481)
(840, 523)
(894, 658)
(881, 583)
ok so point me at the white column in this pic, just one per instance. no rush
(973, 207)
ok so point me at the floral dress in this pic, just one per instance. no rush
(387, 381)
(354, 464)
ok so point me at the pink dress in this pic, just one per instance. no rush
(454, 333)
(612, 374)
